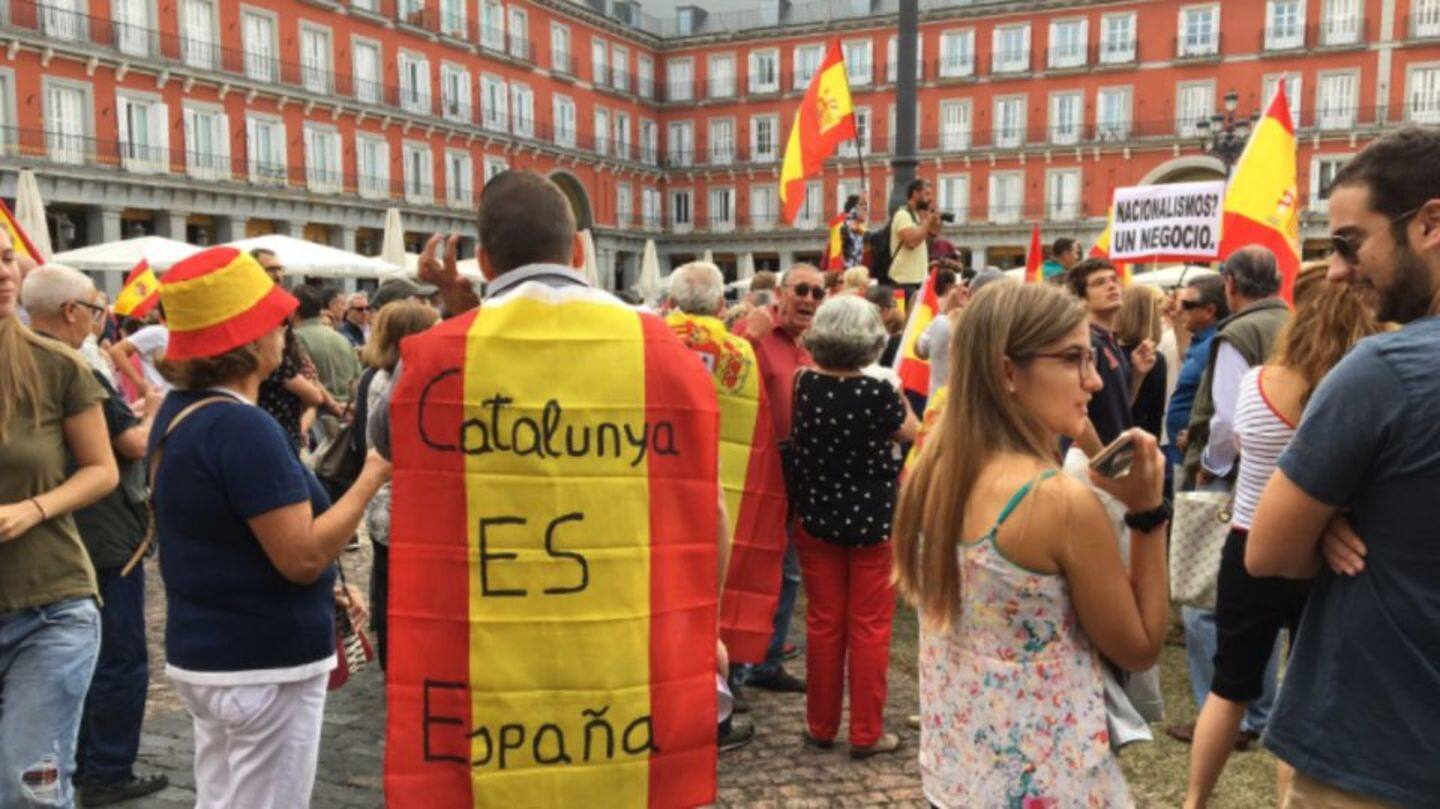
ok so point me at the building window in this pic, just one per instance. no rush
(807, 61)
(1292, 93)
(1424, 95)
(602, 131)
(494, 166)
(197, 34)
(419, 173)
(519, 36)
(265, 149)
(563, 111)
(623, 205)
(1194, 102)
(861, 142)
(649, 143)
(957, 53)
(1335, 100)
(1112, 113)
(1007, 197)
(645, 76)
(452, 18)
(764, 71)
(955, 125)
(133, 26)
(365, 62)
(620, 68)
(522, 99)
(1009, 122)
(1426, 16)
(322, 160)
(207, 142)
(7, 114)
(414, 83)
(1067, 111)
(455, 93)
(649, 208)
(722, 142)
(813, 207)
(1323, 169)
(680, 80)
(560, 49)
(953, 195)
(1117, 38)
(1199, 31)
(892, 55)
(680, 211)
(144, 125)
(259, 44)
(494, 104)
(1284, 25)
(720, 81)
(492, 27)
(763, 138)
(64, 19)
(372, 163)
(622, 136)
(1340, 22)
(315, 59)
(721, 210)
(1068, 41)
(762, 206)
(1062, 195)
(858, 64)
(599, 62)
(680, 144)
(1012, 49)
(459, 178)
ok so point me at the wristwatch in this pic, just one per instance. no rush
(1149, 520)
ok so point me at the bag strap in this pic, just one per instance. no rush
(1020, 495)
(154, 467)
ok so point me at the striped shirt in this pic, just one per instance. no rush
(1264, 434)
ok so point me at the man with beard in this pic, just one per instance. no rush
(911, 228)
(801, 290)
(1358, 713)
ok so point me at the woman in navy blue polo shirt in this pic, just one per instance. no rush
(248, 541)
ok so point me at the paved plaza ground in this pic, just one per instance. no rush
(772, 772)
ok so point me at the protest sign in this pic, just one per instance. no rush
(1169, 222)
(553, 565)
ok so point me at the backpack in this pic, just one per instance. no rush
(878, 244)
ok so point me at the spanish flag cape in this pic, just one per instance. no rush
(751, 478)
(1261, 201)
(553, 560)
(914, 372)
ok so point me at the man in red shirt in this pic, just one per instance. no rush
(775, 334)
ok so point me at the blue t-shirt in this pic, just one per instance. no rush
(229, 609)
(1187, 383)
(1360, 708)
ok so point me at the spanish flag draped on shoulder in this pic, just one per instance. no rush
(826, 118)
(18, 240)
(553, 596)
(752, 481)
(140, 293)
(1260, 202)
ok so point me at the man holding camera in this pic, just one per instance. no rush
(910, 228)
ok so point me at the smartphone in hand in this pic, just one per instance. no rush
(1116, 460)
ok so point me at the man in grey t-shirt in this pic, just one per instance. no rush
(1358, 714)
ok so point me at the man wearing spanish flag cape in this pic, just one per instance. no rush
(555, 525)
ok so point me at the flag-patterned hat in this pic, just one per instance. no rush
(218, 300)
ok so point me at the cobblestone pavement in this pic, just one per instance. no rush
(775, 770)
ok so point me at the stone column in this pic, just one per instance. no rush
(978, 258)
(102, 224)
(290, 227)
(342, 237)
(228, 229)
(171, 225)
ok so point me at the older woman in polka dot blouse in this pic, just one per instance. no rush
(846, 432)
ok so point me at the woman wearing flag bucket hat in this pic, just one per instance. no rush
(248, 540)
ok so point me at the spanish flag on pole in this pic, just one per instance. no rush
(18, 239)
(752, 481)
(914, 372)
(553, 568)
(1035, 257)
(140, 293)
(826, 118)
(1261, 203)
(834, 258)
(1101, 249)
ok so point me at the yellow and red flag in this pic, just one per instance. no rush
(553, 565)
(834, 257)
(914, 372)
(752, 481)
(18, 239)
(826, 118)
(1101, 249)
(934, 408)
(1035, 257)
(1261, 202)
(140, 293)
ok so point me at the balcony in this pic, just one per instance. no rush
(562, 64)
(1117, 51)
(1010, 62)
(953, 66)
(520, 48)
(1198, 46)
(1340, 33)
(1067, 57)
(1425, 24)
(1282, 38)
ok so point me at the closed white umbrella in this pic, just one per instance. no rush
(392, 247)
(30, 214)
(709, 257)
(591, 269)
(746, 271)
(159, 252)
(303, 258)
(649, 283)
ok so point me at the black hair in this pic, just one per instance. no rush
(1078, 277)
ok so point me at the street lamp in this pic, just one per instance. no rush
(1224, 136)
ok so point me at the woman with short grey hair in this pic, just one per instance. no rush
(846, 425)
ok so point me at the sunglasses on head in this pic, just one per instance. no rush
(816, 291)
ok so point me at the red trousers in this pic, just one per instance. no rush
(850, 607)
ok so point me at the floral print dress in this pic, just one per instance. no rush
(1011, 702)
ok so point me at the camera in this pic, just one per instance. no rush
(948, 218)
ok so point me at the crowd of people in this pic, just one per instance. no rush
(244, 431)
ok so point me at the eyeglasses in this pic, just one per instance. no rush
(98, 311)
(816, 292)
(1082, 359)
(1348, 248)
(1190, 305)
(360, 308)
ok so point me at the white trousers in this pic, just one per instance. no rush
(256, 746)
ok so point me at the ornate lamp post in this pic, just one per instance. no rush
(1224, 136)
